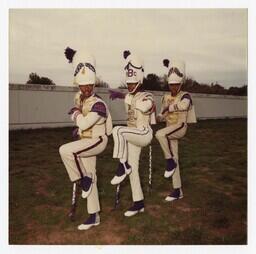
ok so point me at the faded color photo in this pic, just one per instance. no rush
(211, 208)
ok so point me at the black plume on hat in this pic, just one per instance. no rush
(166, 62)
(126, 53)
(69, 53)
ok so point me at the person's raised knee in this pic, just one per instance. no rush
(159, 135)
(63, 150)
(115, 129)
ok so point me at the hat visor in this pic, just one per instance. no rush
(175, 80)
(132, 81)
(174, 83)
(84, 81)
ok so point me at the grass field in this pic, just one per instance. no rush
(213, 162)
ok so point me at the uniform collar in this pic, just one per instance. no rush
(176, 94)
(90, 98)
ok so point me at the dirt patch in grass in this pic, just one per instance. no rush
(227, 230)
(102, 234)
(42, 185)
(51, 208)
(184, 207)
(109, 232)
(36, 233)
(154, 210)
(164, 194)
(113, 232)
(204, 169)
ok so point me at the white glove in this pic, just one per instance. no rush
(75, 114)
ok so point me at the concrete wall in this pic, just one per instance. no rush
(36, 106)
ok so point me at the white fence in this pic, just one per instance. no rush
(37, 106)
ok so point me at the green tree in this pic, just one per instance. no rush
(152, 82)
(242, 91)
(101, 83)
(36, 79)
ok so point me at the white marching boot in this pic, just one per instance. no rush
(138, 207)
(123, 170)
(175, 195)
(93, 220)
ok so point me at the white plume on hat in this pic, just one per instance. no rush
(84, 66)
(134, 70)
(176, 71)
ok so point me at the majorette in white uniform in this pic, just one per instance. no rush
(94, 123)
(177, 110)
(129, 140)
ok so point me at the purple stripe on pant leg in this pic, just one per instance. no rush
(170, 134)
(78, 165)
(91, 147)
(133, 133)
(170, 147)
(118, 135)
(84, 150)
(118, 139)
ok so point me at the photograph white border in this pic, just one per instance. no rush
(4, 128)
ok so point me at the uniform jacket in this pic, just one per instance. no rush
(140, 109)
(178, 109)
(95, 119)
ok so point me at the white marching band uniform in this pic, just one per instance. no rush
(94, 124)
(176, 111)
(79, 157)
(129, 140)
(180, 112)
(93, 119)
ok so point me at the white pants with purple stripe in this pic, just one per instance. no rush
(168, 138)
(128, 142)
(123, 135)
(79, 158)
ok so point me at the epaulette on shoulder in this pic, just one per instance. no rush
(146, 94)
(186, 95)
(100, 108)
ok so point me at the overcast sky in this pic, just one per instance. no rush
(212, 42)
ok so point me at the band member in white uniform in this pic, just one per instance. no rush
(128, 140)
(91, 115)
(177, 110)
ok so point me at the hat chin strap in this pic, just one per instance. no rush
(180, 87)
(181, 83)
(135, 88)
